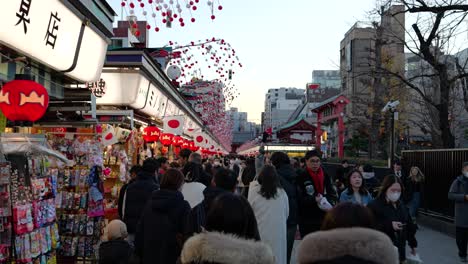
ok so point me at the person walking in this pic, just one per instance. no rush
(316, 194)
(414, 187)
(248, 175)
(223, 181)
(137, 195)
(341, 175)
(355, 192)
(459, 194)
(134, 171)
(371, 182)
(193, 189)
(392, 216)
(287, 175)
(159, 236)
(115, 248)
(270, 204)
(231, 236)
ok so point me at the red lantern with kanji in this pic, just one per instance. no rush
(151, 134)
(166, 139)
(186, 144)
(23, 100)
(193, 147)
(178, 141)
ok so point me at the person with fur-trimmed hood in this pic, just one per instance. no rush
(231, 236)
(350, 246)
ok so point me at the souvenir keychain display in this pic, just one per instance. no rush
(5, 212)
(80, 197)
(33, 191)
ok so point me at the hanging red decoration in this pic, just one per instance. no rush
(186, 144)
(23, 100)
(151, 134)
(178, 141)
(166, 139)
(193, 147)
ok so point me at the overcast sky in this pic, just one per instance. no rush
(279, 42)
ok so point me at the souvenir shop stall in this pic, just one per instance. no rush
(29, 230)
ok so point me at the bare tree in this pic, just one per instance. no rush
(433, 36)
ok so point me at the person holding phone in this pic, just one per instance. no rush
(392, 216)
(316, 194)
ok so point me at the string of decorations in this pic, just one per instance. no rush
(169, 12)
(208, 59)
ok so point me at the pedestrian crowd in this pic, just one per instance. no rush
(251, 210)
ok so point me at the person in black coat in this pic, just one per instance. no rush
(287, 175)
(224, 181)
(116, 249)
(341, 175)
(159, 236)
(314, 184)
(248, 175)
(134, 171)
(392, 216)
(138, 193)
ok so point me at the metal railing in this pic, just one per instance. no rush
(440, 167)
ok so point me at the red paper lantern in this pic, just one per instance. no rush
(166, 139)
(186, 144)
(151, 134)
(23, 100)
(178, 141)
(193, 147)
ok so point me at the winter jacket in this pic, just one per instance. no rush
(309, 212)
(122, 191)
(218, 248)
(457, 193)
(160, 232)
(411, 187)
(115, 252)
(385, 213)
(349, 246)
(197, 218)
(138, 194)
(346, 197)
(287, 176)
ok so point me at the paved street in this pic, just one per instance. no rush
(434, 247)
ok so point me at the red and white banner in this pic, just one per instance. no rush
(174, 124)
(192, 131)
(200, 140)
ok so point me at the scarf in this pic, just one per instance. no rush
(318, 179)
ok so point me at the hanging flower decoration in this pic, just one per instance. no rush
(208, 100)
(168, 13)
(207, 59)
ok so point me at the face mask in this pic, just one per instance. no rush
(368, 175)
(393, 197)
(465, 174)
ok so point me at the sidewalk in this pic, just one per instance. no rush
(434, 247)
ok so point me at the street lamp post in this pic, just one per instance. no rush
(391, 107)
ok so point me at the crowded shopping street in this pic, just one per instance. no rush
(233, 132)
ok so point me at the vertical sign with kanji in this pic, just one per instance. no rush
(23, 14)
(52, 28)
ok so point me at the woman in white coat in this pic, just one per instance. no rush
(270, 204)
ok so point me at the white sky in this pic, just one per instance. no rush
(279, 42)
